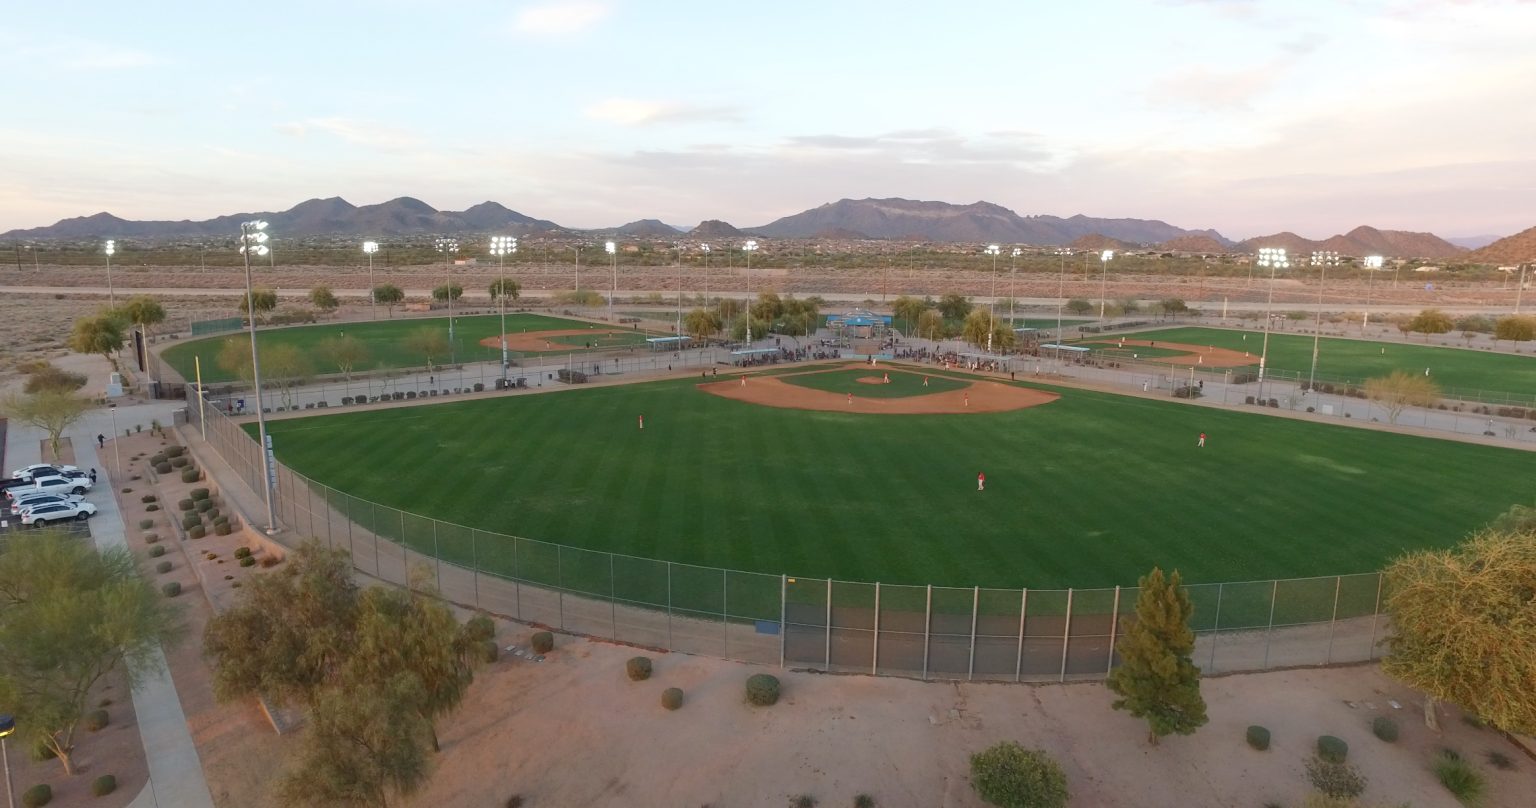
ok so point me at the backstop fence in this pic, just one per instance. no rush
(926, 632)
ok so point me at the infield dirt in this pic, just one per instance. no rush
(978, 397)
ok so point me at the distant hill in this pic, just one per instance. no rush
(1472, 242)
(649, 228)
(1517, 249)
(1362, 240)
(714, 228)
(1194, 244)
(976, 222)
(1094, 241)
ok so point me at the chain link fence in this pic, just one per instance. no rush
(925, 632)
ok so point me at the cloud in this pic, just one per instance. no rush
(637, 112)
(937, 147)
(559, 18)
(360, 133)
(1214, 90)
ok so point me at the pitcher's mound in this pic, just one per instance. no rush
(981, 396)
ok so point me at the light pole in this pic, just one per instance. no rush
(1061, 294)
(7, 727)
(613, 259)
(109, 249)
(1104, 258)
(371, 247)
(117, 455)
(1372, 264)
(1520, 290)
(749, 247)
(500, 246)
(677, 251)
(1321, 260)
(705, 248)
(449, 246)
(992, 250)
(1013, 274)
(253, 239)
(1274, 258)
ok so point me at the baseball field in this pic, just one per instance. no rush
(476, 339)
(1085, 489)
(1356, 360)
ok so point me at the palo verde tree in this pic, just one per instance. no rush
(443, 292)
(322, 298)
(360, 749)
(263, 300)
(235, 357)
(799, 316)
(1079, 305)
(729, 308)
(1464, 627)
(287, 367)
(390, 295)
(69, 617)
(45, 376)
(505, 288)
(1156, 679)
(344, 352)
(52, 411)
(427, 341)
(907, 309)
(980, 323)
(101, 333)
(701, 324)
(1399, 390)
(143, 311)
(930, 325)
(1516, 328)
(1431, 321)
(954, 306)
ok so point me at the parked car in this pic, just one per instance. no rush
(28, 472)
(57, 512)
(27, 500)
(53, 485)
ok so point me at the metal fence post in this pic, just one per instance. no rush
(725, 611)
(560, 583)
(517, 581)
(1066, 633)
(970, 671)
(1018, 663)
(1114, 622)
(783, 616)
(828, 663)
(670, 643)
(474, 563)
(1269, 634)
(1333, 622)
(613, 598)
(1375, 613)
(378, 571)
(438, 556)
(1216, 626)
(405, 561)
(874, 657)
(927, 628)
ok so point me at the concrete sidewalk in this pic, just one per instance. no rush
(175, 771)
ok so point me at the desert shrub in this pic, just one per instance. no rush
(863, 801)
(204, 505)
(189, 475)
(37, 796)
(197, 532)
(151, 538)
(762, 689)
(184, 505)
(179, 462)
(542, 642)
(1011, 776)
(200, 493)
(175, 451)
(1258, 737)
(157, 551)
(212, 514)
(638, 668)
(1458, 777)
(1384, 728)
(147, 498)
(247, 562)
(146, 524)
(1332, 749)
(221, 529)
(270, 561)
(171, 589)
(163, 567)
(162, 468)
(151, 507)
(242, 552)
(802, 801)
(672, 698)
(489, 651)
(96, 720)
(103, 785)
(190, 520)
(158, 459)
(1335, 779)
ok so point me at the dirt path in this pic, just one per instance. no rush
(978, 397)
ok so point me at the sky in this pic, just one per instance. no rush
(1247, 116)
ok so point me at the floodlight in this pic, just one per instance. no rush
(1373, 262)
(1107, 255)
(111, 247)
(370, 247)
(749, 246)
(503, 245)
(704, 247)
(1017, 252)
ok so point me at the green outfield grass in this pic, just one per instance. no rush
(384, 339)
(902, 384)
(1140, 351)
(1357, 360)
(1090, 490)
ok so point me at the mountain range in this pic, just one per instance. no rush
(847, 219)
(1517, 249)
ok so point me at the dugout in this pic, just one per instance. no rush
(859, 324)
(659, 344)
(985, 361)
(1068, 353)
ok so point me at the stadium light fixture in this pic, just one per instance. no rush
(1104, 258)
(500, 246)
(109, 248)
(1322, 260)
(994, 251)
(253, 241)
(1275, 259)
(749, 247)
(1373, 263)
(613, 259)
(448, 246)
(369, 248)
(705, 249)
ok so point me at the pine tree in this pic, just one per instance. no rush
(1156, 679)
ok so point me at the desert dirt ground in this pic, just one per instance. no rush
(977, 397)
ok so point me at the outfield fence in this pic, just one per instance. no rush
(926, 632)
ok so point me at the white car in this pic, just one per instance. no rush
(57, 512)
(31, 498)
(52, 485)
(27, 472)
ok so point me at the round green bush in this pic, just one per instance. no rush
(171, 589)
(542, 642)
(197, 532)
(762, 689)
(184, 505)
(1331, 749)
(242, 552)
(204, 505)
(189, 475)
(199, 493)
(162, 468)
(151, 538)
(212, 514)
(221, 529)
(152, 507)
(638, 668)
(247, 562)
(157, 551)
(189, 520)
(863, 801)
(147, 498)
(1014, 777)
(1384, 728)
(96, 720)
(146, 524)
(156, 460)
(1258, 737)
(175, 451)
(163, 567)
(37, 796)
(489, 651)
(103, 785)
(179, 462)
(672, 698)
